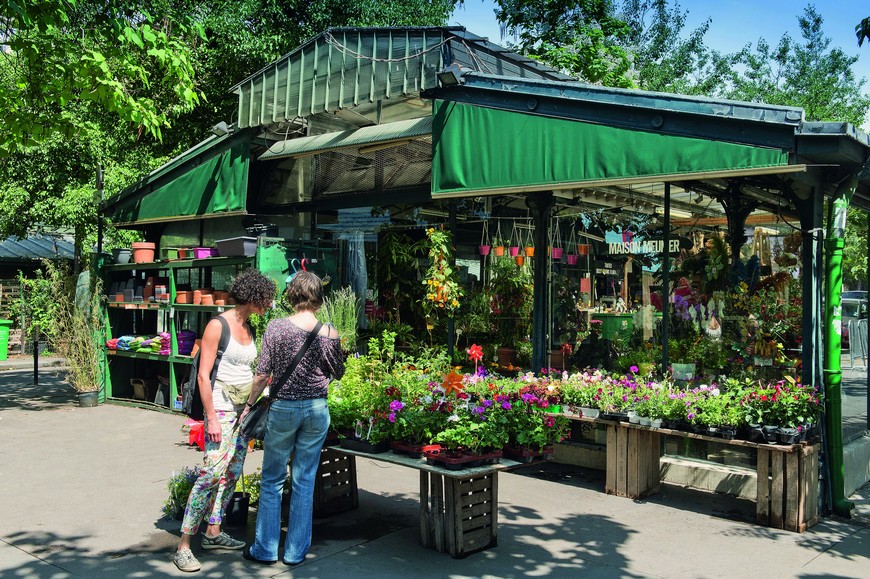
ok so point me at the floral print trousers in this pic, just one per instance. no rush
(222, 466)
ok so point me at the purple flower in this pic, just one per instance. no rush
(392, 417)
(479, 410)
(634, 369)
(487, 403)
(506, 405)
(396, 405)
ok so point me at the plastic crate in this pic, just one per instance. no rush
(204, 252)
(237, 247)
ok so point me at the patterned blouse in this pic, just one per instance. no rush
(323, 361)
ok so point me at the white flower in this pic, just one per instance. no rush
(453, 418)
(715, 392)
(427, 399)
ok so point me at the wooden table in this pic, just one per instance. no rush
(458, 508)
(787, 484)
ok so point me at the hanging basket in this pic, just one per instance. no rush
(498, 250)
(583, 248)
(514, 250)
(556, 242)
(572, 258)
(485, 244)
(529, 251)
(520, 259)
(484, 249)
(556, 253)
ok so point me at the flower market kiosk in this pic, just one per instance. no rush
(588, 227)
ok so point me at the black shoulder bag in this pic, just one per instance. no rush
(191, 403)
(254, 424)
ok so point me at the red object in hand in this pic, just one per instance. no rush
(197, 433)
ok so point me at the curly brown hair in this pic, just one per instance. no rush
(305, 292)
(252, 287)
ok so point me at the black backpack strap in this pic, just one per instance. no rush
(222, 346)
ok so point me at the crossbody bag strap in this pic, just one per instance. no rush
(295, 362)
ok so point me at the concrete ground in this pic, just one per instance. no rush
(87, 485)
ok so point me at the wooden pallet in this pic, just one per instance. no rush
(335, 486)
(788, 485)
(458, 515)
(632, 462)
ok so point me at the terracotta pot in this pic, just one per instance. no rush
(119, 297)
(143, 251)
(520, 259)
(498, 250)
(183, 297)
(207, 300)
(530, 251)
(197, 297)
(583, 248)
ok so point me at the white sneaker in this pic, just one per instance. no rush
(185, 561)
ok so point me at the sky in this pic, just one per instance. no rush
(734, 23)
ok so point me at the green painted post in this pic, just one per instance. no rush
(833, 373)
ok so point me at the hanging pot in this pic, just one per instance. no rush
(515, 250)
(556, 253)
(498, 250)
(529, 251)
(583, 248)
(520, 259)
(572, 259)
(484, 249)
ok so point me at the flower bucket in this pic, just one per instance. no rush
(556, 253)
(583, 248)
(515, 250)
(484, 249)
(529, 251)
(572, 259)
(498, 250)
(520, 259)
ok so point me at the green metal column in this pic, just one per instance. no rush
(833, 321)
(541, 206)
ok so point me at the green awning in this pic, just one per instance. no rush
(478, 150)
(377, 134)
(204, 182)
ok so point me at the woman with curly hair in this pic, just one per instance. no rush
(225, 447)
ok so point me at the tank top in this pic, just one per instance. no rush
(235, 368)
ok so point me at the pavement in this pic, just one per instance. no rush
(87, 486)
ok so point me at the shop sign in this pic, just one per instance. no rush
(608, 268)
(646, 246)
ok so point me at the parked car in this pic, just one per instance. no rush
(852, 309)
(854, 295)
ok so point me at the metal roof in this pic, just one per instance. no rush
(351, 67)
(36, 247)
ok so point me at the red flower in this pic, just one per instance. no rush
(475, 353)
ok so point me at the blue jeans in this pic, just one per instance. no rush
(294, 428)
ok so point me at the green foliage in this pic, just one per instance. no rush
(39, 303)
(397, 270)
(855, 250)
(806, 73)
(582, 38)
(511, 289)
(342, 308)
(179, 486)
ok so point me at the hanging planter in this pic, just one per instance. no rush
(572, 243)
(556, 242)
(515, 241)
(498, 242)
(484, 246)
(529, 249)
(583, 248)
(520, 259)
(572, 259)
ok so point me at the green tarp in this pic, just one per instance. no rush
(215, 182)
(481, 150)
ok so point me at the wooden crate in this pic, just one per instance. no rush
(335, 486)
(633, 461)
(458, 515)
(788, 484)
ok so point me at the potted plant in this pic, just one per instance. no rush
(179, 486)
(342, 309)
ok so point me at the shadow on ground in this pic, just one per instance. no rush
(18, 391)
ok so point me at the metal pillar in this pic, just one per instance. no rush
(541, 206)
(666, 277)
(833, 373)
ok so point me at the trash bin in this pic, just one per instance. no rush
(4, 338)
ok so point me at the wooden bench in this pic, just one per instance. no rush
(787, 483)
(458, 508)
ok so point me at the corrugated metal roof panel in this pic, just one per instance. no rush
(35, 247)
(384, 133)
